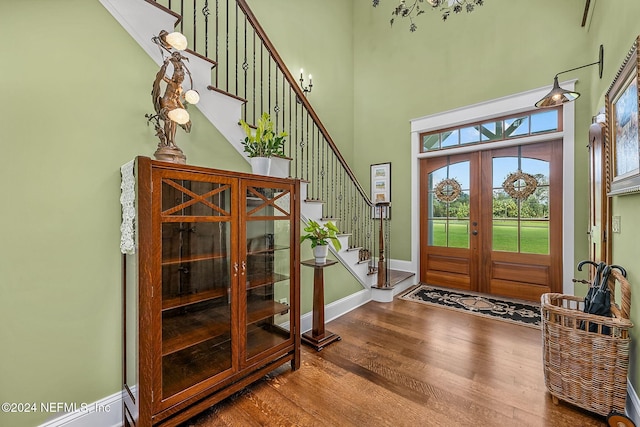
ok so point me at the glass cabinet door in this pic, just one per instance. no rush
(196, 228)
(267, 262)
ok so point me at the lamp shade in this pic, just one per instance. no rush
(192, 96)
(557, 96)
(179, 115)
(176, 40)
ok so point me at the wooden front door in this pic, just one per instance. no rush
(481, 231)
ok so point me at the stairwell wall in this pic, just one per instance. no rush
(317, 36)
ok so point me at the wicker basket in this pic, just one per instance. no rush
(587, 369)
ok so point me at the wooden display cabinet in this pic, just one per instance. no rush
(211, 295)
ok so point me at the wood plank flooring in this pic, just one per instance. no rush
(407, 364)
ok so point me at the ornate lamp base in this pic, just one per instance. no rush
(170, 154)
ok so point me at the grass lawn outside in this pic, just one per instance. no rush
(534, 235)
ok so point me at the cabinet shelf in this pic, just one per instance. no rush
(184, 369)
(184, 300)
(193, 258)
(267, 250)
(261, 279)
(260, 339)
(190, 329)
(260, 309)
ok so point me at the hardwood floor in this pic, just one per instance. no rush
(407, 364)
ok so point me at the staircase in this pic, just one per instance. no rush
(239, 75)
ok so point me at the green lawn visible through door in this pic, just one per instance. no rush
(534, 235)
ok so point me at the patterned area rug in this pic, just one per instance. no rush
(509, 310)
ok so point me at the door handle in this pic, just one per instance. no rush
(474, 232)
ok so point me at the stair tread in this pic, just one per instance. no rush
(395, 277)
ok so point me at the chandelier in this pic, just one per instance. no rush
(416, 7)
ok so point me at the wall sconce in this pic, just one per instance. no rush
(559, 96)
(169, 107)
(305, 89)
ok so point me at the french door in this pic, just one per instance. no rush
(491, 221)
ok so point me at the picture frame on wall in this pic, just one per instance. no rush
(622, 106)
(381, 188)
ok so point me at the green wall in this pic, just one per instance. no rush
(75, 89)
(470, 58)
(617, 28)
(502, 48)
(317, 36)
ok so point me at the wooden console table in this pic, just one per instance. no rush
(318, 338)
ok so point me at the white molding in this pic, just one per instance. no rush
(402, 265)
(337, 308)
(106, 412)
(633, 404)
(512, 104)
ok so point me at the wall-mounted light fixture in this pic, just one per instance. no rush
(305, 89)
(559, 96)
(169, 106)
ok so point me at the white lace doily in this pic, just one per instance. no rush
(127, 201)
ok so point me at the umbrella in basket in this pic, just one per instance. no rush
(598, 298)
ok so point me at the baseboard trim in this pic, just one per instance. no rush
(337, 308)
(106, 412)
(633, 404)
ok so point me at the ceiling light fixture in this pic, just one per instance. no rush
(446, 8)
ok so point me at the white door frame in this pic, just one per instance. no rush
(509, 105)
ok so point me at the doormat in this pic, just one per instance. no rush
(508, 310)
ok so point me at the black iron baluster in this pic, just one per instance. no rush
(269, 84)
(313, 175)
(261, 78)
(182, 14)
(290, 154)
(245, 67)
(195, 25)
(253, 89)
(217, 68)
(236, 42)
(323, 172)
(205, 12)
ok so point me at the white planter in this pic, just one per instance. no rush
(280, 167)
(260, 165)
(320, 253)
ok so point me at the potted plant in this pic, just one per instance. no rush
(320, 235)
(261, 144)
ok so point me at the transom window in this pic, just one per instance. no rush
(522, 125)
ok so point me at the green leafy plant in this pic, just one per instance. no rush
(263, 142)
(321, 234)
